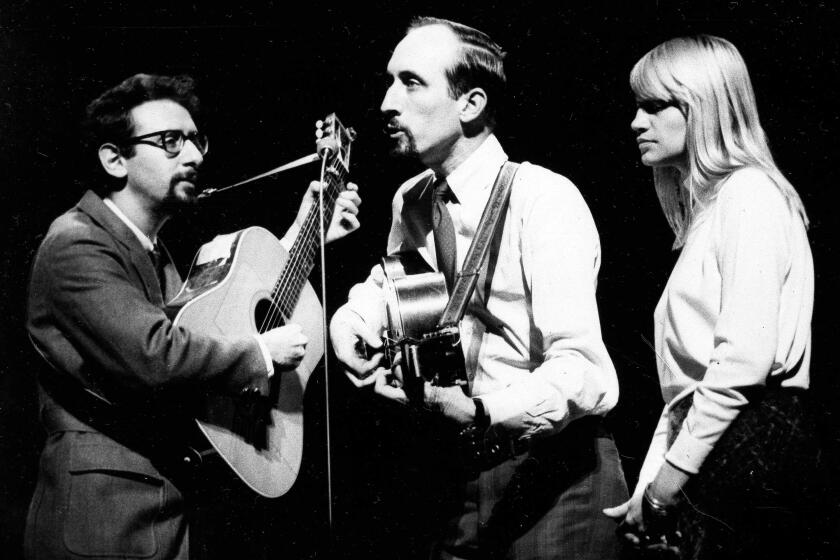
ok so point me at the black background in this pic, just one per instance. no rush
(267, 70)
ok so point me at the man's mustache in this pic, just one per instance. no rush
(393, 125)
(190, 175)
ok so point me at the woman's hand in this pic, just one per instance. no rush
(666, 488)
(629, 518)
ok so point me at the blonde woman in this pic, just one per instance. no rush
(733, 327)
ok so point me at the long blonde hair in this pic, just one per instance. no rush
(707, 78)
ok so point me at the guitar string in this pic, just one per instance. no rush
(301, 256)
(296, 263)
(299, 261)
(290, 279)
(293, 268)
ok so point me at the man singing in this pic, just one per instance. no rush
(119, 396)
(540, 378)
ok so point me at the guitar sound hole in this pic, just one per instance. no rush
(268, 316)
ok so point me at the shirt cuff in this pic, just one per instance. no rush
(367, 300)
(269, 363)
(511, 402)
(688, 453)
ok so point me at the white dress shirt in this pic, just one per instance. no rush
(735, 313)
(547, 365)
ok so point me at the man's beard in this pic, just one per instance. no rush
(179, 195)
(404, 145)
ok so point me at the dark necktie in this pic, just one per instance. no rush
(159, 262)
(444, 233)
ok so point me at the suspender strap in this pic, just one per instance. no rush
(466, 280)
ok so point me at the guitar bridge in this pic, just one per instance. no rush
(436, 358)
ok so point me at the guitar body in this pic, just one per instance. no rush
(415, 298)
(228, 292)
(415, 295)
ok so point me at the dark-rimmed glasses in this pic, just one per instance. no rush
(171, 141)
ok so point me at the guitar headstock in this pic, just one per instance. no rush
(333, 141)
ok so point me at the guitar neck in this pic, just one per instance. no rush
(308, 242)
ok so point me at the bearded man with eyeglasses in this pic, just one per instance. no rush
(118, 392)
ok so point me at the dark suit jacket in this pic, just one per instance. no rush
(95, 313)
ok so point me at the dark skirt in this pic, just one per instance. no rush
(755, 495)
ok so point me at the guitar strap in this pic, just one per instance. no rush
(488, 231)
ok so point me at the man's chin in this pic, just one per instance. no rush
(184, 194)
(403, 149)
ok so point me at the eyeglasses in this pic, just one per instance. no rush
(171, 141)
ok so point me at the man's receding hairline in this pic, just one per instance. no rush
(460, 45)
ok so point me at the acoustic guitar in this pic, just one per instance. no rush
(422, 339)
(245, 282)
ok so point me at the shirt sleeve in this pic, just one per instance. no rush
(656, 453)
(560, 261)
(289, 238)
(751, 251)
(366, 299)
(266, 354)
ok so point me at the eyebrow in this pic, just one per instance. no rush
(408, 74)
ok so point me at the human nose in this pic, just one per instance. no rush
(190, 154)
(640, 121)
(389, 101)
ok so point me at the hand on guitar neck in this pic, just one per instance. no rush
(249, 282)
(344, 219)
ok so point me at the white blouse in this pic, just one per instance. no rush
(735, 313)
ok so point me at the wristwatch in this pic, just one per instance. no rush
(482, 420)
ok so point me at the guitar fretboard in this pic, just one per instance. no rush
(287, 289)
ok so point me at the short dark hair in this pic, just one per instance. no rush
(109, 115)
(480, 63)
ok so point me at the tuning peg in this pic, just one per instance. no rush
(319, 123)
(319, 133)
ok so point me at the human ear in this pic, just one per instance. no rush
(112, 160)
(473, 104)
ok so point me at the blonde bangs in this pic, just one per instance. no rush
(647, 80)
(708, 77)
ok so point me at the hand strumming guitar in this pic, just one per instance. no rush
(350, 336)
(286, 344)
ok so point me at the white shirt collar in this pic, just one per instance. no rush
(478, 172)
(147, 243)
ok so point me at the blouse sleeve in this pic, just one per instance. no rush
(751, 252)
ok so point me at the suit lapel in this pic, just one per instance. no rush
(92, 205)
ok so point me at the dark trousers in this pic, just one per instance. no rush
(545, 504)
